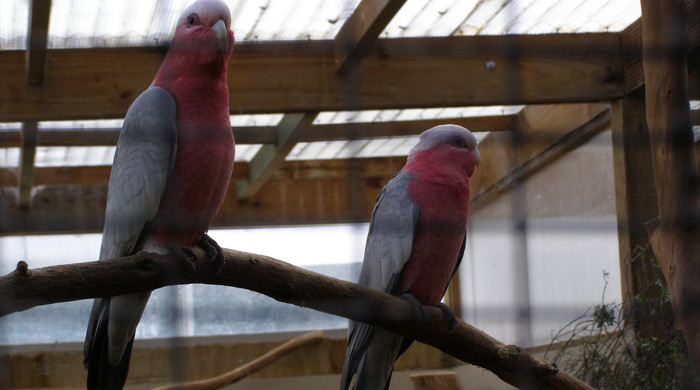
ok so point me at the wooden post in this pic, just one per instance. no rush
(635, 198)
(675, 238)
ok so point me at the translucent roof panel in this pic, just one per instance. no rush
(95, 124)
(69, 156)
(14, 24)
(90, 23)
(335, 117)
(376, 147)
(9, 157)
(256, 120)
(480, 17)
(10, 126)
(246, 152)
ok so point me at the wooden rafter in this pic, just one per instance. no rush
(361, 29)
(274, 77)
(247, 135)
(635, 194)
(37, 39)
(270, 157)
(300, 192)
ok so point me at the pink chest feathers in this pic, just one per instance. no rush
(442, 193)
(197, 185)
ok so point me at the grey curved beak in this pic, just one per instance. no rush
(221, 34)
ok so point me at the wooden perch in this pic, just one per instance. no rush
(27, 288)
(675, 236)
(251, 367)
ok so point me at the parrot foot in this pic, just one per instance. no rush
(416, 306)
(214, 252)
(450, 315)
(186, 257)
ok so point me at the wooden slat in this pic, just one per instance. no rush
(37, 37)
(28, 152)
(290, 170)
(270, 157)
(635, 203)
(300, 192)
(61, 367)
(84, 175)
(298, 76)
(246, 135)
(361, 29)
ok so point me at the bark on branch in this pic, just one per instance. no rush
(26, 288)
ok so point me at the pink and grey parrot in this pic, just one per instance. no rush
(417, 236)
(170, 175)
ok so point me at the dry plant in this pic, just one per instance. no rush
(635, 346)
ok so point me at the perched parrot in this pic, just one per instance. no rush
(415, 243)
(170, 174)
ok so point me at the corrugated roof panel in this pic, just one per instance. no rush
(14, 23)
(480, 17)
(90, 23)
(72, 156)
(10, 126)
(94, 124)
(519, 18)
(617, 15)
(376, 147)
(305, 19)
(246, 152)
(256, 120)
(9, 157)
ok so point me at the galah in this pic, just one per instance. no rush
(170, 174)
(416, 240)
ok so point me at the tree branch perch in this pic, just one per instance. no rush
(27, 288)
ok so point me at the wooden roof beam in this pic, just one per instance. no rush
(361, 29)
(300, 76)
(270, 157)
(299, 192)
(37, 38)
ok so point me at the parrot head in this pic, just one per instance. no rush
(204, 31)
(454, 139)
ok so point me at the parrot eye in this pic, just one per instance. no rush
(192, 19)
(457, 142)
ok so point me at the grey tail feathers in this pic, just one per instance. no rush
(101, 374)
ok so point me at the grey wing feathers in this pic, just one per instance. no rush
(388, 248)
(145, 155)
(390, 237)
(143, 160)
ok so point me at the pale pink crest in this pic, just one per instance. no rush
(454, 135)
(209, 11)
